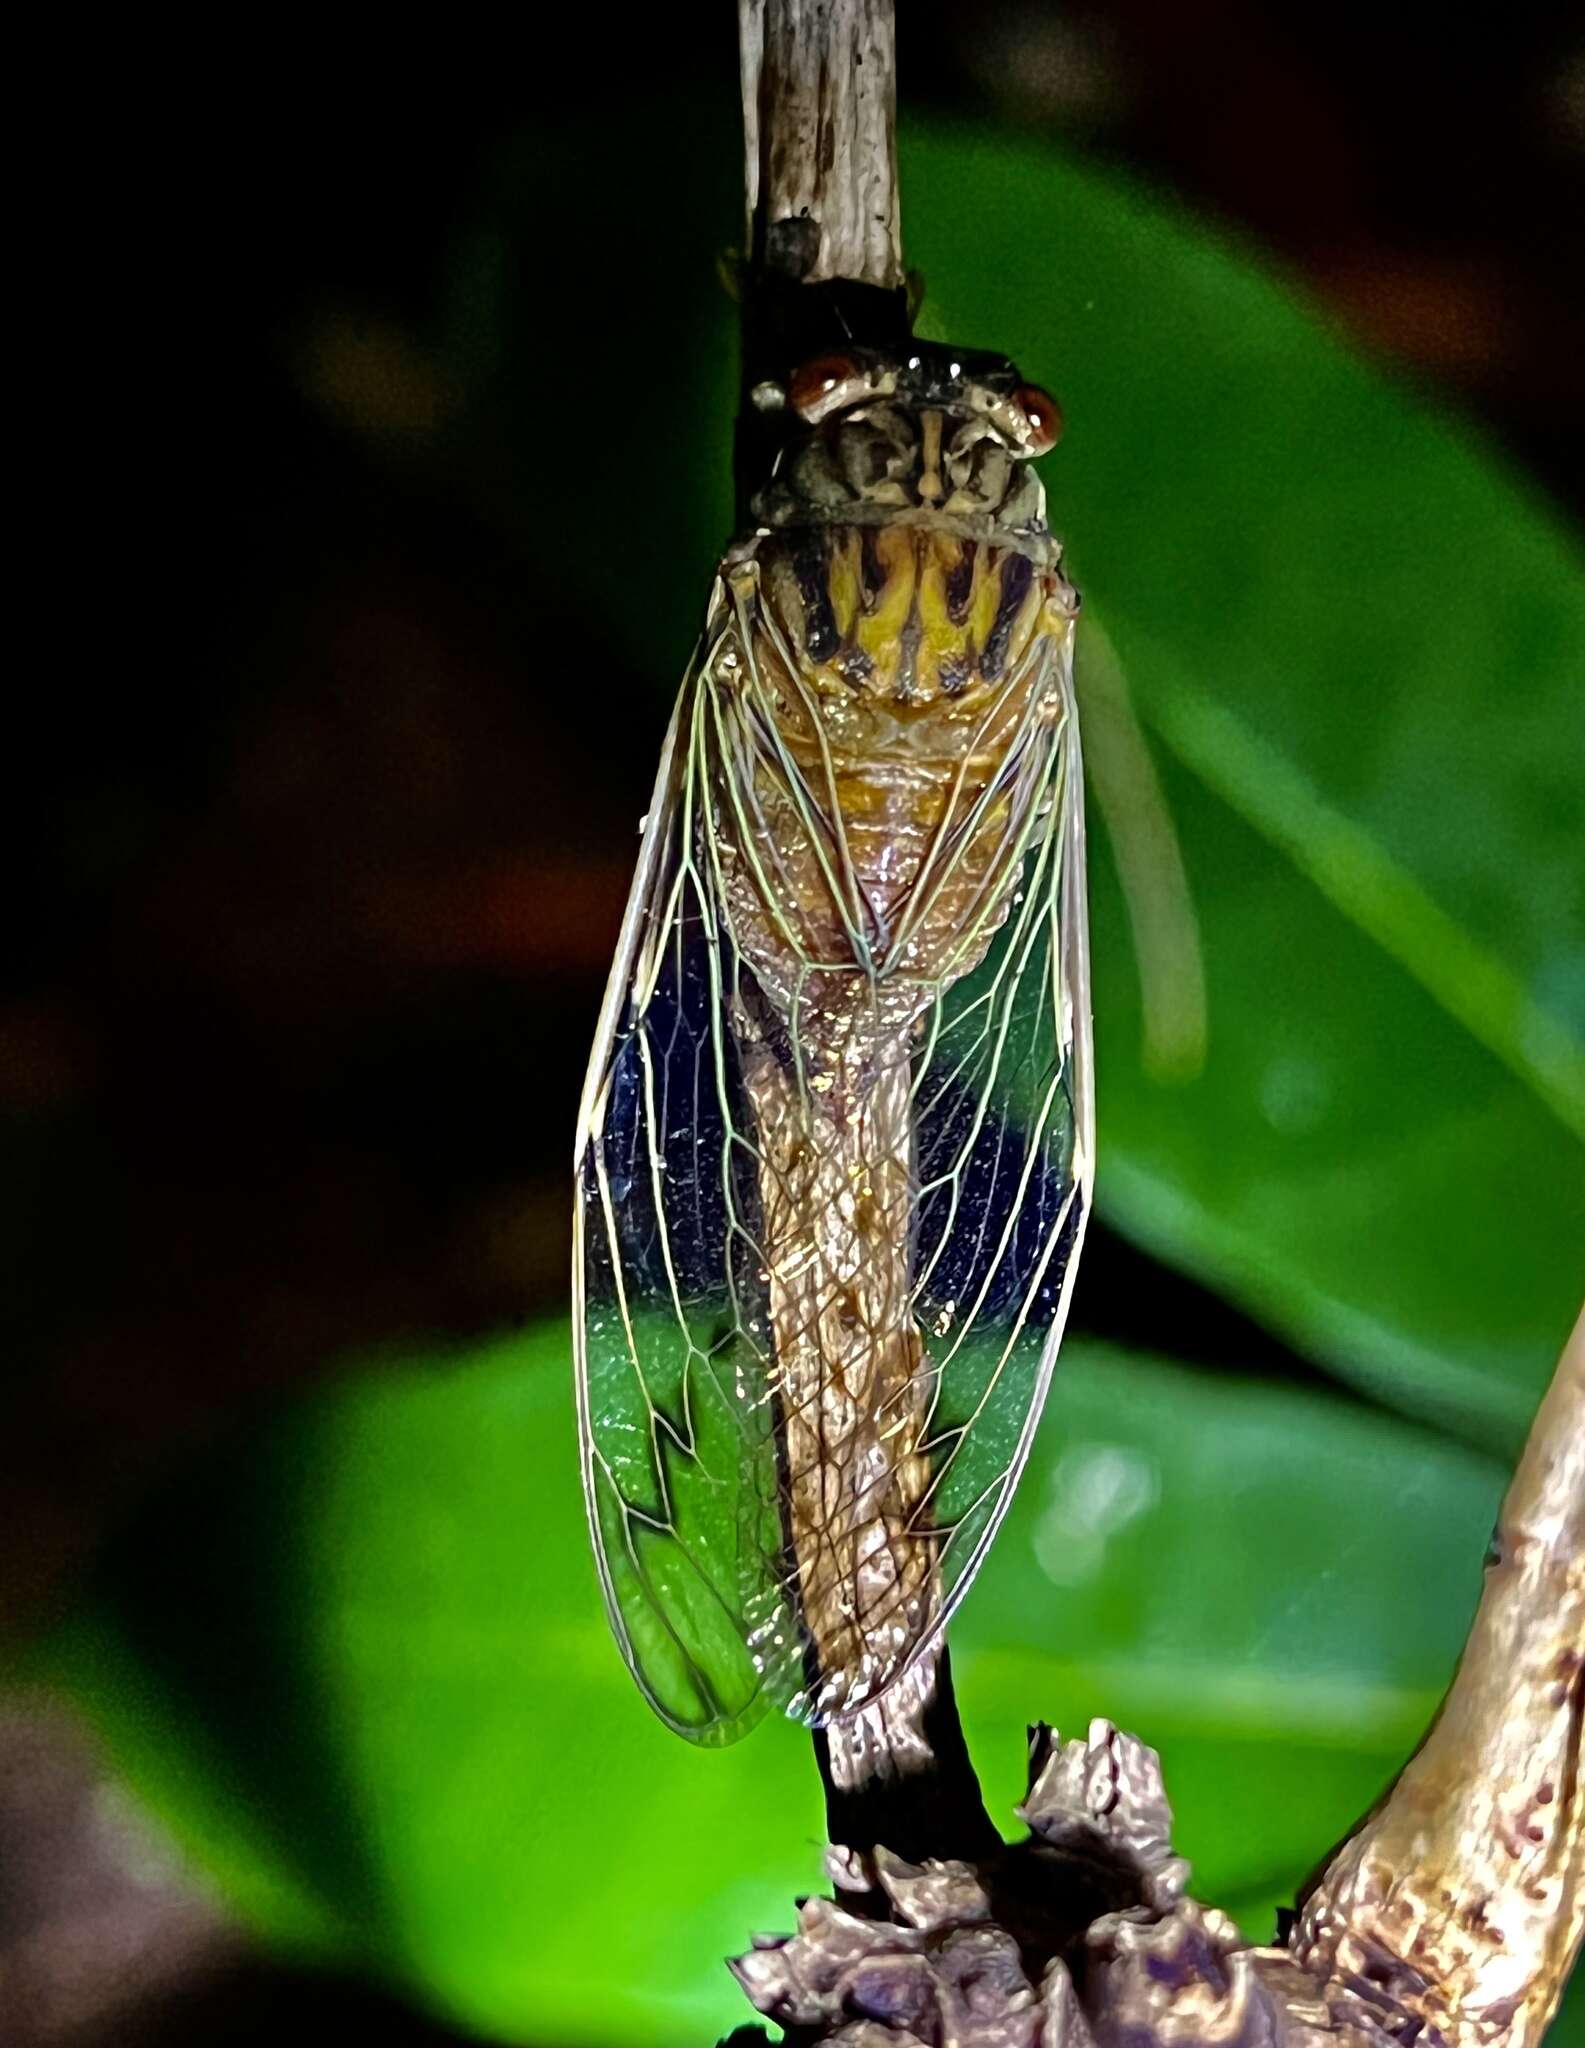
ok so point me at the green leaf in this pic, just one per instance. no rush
(1269, 1584)
(1356, 640)
(359, 1662)
(1349, 1163)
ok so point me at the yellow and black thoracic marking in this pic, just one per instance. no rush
(906, 613)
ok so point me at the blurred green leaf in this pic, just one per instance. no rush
(359, 1661)
(1358, 640)
(1354, 637)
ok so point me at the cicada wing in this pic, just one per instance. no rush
(800, 1429)
(1005, 1147)
(676, 1423)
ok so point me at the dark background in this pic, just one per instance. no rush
(323, 805)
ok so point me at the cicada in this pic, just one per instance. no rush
(835, 1148)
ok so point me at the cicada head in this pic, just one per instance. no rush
(922, 431)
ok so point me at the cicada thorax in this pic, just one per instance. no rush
(888, 682)
(900, 669)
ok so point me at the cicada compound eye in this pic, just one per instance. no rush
(1043, 415)
(822, 384)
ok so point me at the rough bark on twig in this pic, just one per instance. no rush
(820, 157)
(1463, 1898)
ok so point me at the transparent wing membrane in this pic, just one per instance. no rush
(833, 1172)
